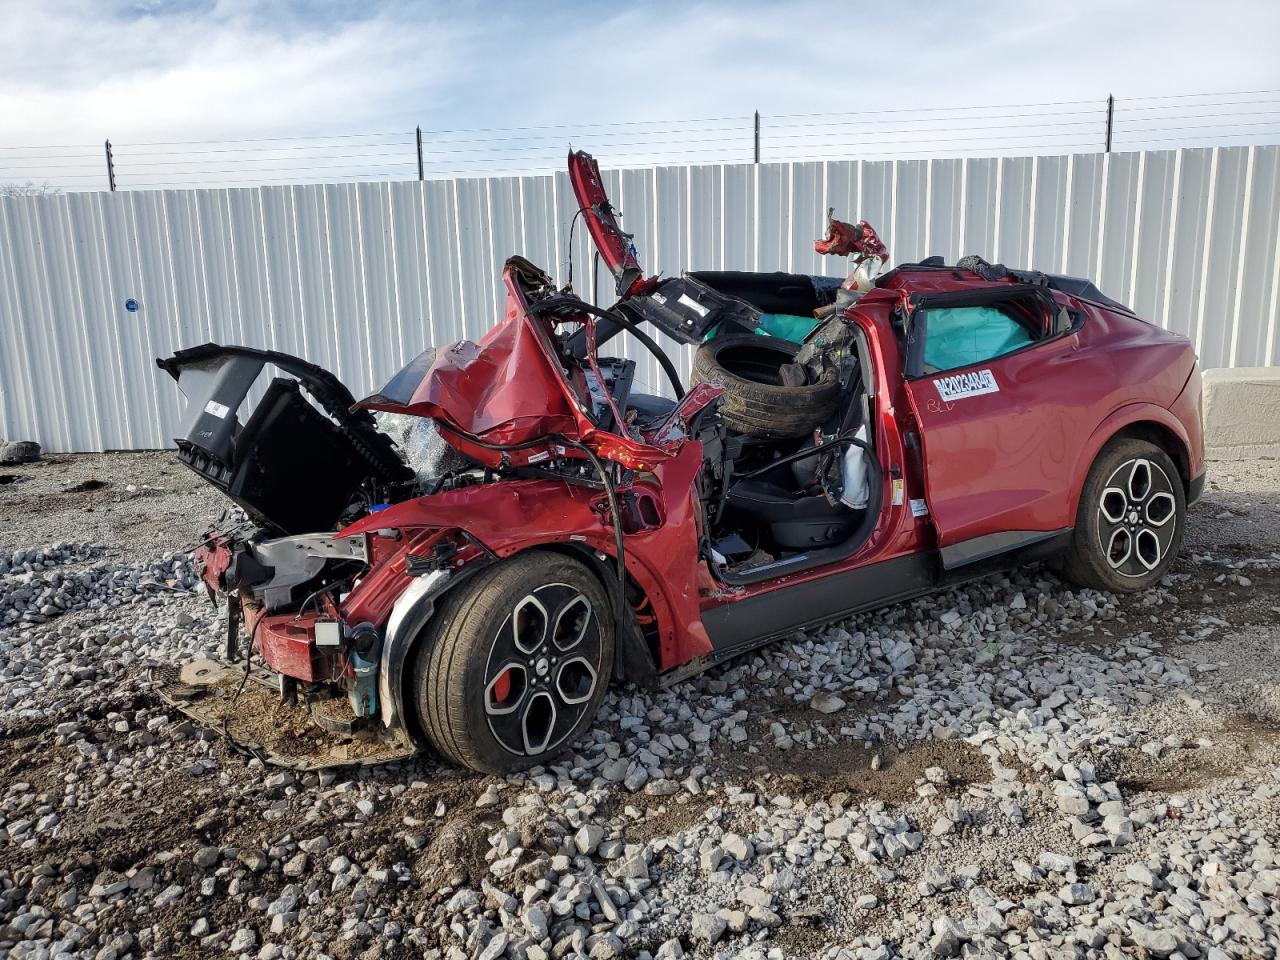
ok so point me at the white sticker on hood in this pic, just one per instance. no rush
(962, 385)
(217, 409)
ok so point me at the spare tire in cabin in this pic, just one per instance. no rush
(766, 394)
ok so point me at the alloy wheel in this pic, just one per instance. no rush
(543, 668)
(1137, 517)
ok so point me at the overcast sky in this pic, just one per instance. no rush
(79, 71)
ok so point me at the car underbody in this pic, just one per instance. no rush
(468, 557)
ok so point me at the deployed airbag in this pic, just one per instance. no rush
(960, 336)
(786, 326)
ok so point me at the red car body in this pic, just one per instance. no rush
(964, 485)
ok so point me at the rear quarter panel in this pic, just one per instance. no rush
(1132, 372)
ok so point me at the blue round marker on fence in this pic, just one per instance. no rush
(131, 305)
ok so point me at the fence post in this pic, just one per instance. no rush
(1111, 112)
(420, 176)
(111, 169)
(757, 138)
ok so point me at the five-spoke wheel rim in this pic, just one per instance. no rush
(1137, 517)
(543, 669)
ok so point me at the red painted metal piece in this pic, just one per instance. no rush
(616, 249)
(674, 426)
(509, 389)
(847, 239)
(516, 515)
(286, 643)
(213, 558)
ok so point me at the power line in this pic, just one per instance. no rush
(54, 146)
(988, 106)
(1199, 105)
(126, 147)
(1223, 93)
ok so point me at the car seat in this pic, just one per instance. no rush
(796, 520)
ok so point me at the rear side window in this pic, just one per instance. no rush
(961, 336)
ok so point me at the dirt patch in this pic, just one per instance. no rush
(85, 498)
(166, 816)
(771, 704)
(679, 813)
(802, 935)
(853, 769)
(1243, 742)
(1196, 594)
(259, 717)
(253, 717)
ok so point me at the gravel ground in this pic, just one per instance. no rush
(1011, 768)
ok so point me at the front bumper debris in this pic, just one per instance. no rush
(251, 713)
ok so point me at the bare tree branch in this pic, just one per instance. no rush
(28, 189)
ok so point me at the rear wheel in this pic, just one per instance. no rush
(513, 668)
(1131, 518)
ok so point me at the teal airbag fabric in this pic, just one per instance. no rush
(787, 326)
(959, 336)
(784, 325)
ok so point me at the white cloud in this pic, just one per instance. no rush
(70, 74)
(77, 71)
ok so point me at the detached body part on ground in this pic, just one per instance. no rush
(471, 555)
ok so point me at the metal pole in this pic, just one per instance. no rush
(420, 176)
(111, 169)
(1111, 112)
(757, 137)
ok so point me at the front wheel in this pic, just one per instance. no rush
(514, 666)
(1131, 519)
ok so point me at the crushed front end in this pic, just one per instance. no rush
(353, 519)
(299, 683)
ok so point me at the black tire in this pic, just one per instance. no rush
(474, 717)
(1130, 522)
(755, 401)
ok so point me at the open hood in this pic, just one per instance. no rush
(616, 248)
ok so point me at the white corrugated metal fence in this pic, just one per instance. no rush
(361, 277)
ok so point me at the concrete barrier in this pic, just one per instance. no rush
(1242, 413)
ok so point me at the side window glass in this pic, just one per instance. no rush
(960, 336)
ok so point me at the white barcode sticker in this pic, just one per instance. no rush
(694, 305)
(973, 384)
(919, 508)
(217, 409)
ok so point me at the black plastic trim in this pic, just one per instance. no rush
(992, 544)
(744, 624)
(1195, 489)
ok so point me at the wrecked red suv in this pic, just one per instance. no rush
(471, 555)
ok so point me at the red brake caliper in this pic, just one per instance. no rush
(502, 687)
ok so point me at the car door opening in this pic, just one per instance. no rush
(810, 496)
